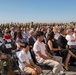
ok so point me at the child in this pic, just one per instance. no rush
(25, 62)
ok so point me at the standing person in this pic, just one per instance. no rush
(44, 57)
(25, 62)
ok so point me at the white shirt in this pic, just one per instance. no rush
(74, 35)
(69, 38)
(23, 56)
(39, 46)
(12, 34)
(56, 36)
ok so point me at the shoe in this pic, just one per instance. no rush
(65, 68)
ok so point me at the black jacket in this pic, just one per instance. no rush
(31, 41)
(62, 42)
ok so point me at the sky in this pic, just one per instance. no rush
(37, 11)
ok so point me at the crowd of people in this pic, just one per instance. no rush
(54, 45)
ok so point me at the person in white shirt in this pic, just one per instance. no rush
(25, 62)
(70, 38)
(43, 56)
(55, 30)
(74, 34)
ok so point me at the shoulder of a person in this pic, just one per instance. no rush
(36, 43)
(43, 43)
(67, 35)
(21, 53)
(29, 37)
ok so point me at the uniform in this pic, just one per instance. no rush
(5, 62)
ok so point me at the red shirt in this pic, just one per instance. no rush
(7, 36)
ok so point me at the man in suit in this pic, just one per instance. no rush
(62, 42)
(31, 39)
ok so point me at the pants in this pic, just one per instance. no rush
(57, 67)
(28, 70)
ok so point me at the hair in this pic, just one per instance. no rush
(19, 34)
(23, 44)
(69, 30)
(39, 33)
(6, 31)
(61, 30)
(50, 36)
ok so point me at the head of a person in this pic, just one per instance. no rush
(69, 32)
(12, 28)
(20, 34)
(6, 31)
(62, 31)
(55, 29)
(25, 30)
(31, 32)
(49, 29)
(50, 36)
(39, 36)
(24, 46)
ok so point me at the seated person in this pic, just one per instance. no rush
(7, 35)
(62, 42)
(31, 39)
(25, 62)
(19, 39)
(5, 61)
(55, 30)
(70, 38)
(44, 57)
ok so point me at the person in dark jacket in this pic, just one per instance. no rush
(31, 39)
(62, 42)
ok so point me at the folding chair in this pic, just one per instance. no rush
(43, 66)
